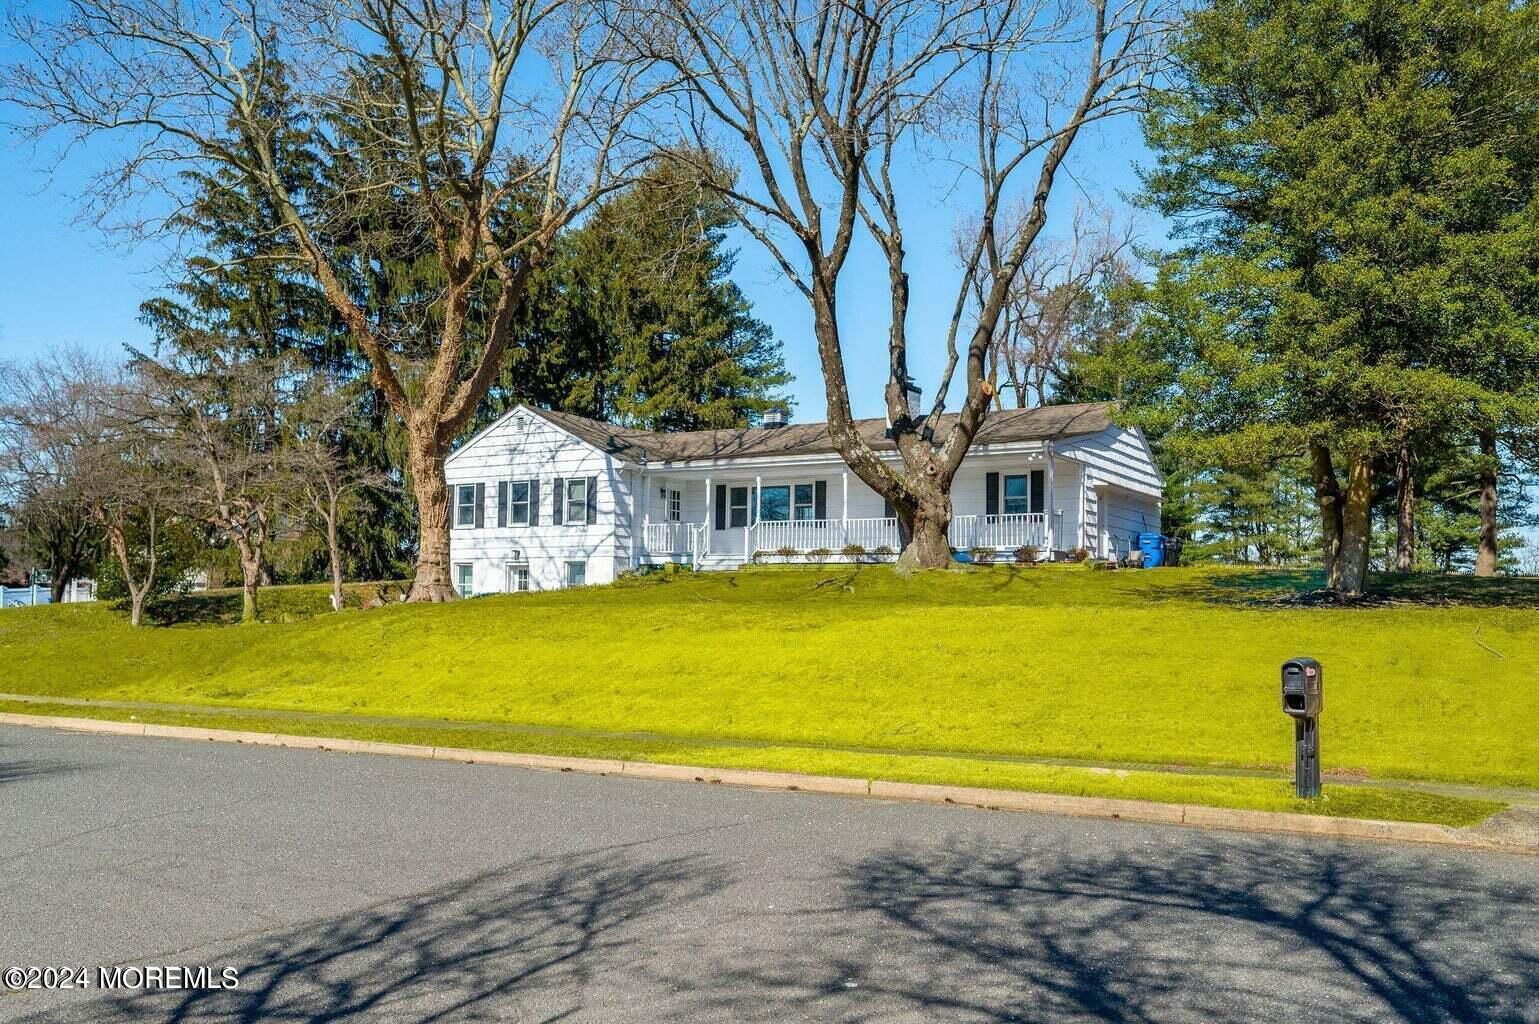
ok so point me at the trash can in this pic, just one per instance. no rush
(1153, 547)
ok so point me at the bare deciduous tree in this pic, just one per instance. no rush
(220, 414)
(90, 419)
(1035, 332)
(39, 469)
(326, 476)
(495, 124)
(828, 102)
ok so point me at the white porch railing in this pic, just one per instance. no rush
(692, 540)
(803, 535)
(676, 539)
(1004, 532)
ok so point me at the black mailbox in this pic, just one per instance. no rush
(1303, 698)
(1301, 688)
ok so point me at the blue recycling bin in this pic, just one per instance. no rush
(1153, 547)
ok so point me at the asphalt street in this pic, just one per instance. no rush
(365, 888)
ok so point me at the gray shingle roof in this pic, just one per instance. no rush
(1002, 426)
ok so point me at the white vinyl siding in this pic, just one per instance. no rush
(522, 447)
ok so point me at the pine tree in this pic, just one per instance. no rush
(1336, 170)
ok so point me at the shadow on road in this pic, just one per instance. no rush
(1216, 930)
(479, 949)
(32, 768)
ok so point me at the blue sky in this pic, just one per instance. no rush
(64, 283)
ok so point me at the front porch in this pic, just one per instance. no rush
(834, 540)
(818, 511)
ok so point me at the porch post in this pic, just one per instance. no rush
(758, 510)
(844, 513)
(646, 519)
(708, 520)
(1084, 534)
(1047, 524)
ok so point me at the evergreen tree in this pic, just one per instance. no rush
(1340, 171)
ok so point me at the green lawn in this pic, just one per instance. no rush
(1164, 667)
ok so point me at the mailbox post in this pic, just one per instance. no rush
(1303, 700)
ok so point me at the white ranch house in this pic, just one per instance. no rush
(544, 500)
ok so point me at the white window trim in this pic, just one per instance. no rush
(566, 572)
(675, 506)
(733, 507)
(567, 517)
(811, 504)
(514, 503)
(461, 506)
(461, 588)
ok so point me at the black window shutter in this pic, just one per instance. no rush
(480, 505)
(1038, 491)
(534, 503)
(887, 510)
(991, 494)
(721, 506)
(502, 503)
(820, 500)
(557, 500)
(592, 500)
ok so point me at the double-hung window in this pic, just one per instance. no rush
(806, 502)
(737, 507)
(464, 578)
(1025, 494)
(518, 503)
(465, 505)
(577, 498)
(675, 506)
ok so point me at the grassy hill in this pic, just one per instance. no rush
(1168, 667)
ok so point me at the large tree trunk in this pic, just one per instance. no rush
(923, 532)
(1486, 555)
(1405, 511)
(431, 581)
(1328, 497)
(1356, 527)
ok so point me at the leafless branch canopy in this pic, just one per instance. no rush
(499, 122)
(833, 107)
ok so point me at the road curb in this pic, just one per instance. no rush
(1104, 808)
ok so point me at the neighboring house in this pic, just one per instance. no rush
(34, 590)
(543, 499)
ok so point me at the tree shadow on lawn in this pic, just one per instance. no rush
(274, 604)
(510, 944)
(1304, 588)
(1210, 929)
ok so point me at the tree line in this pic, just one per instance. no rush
(429, 200)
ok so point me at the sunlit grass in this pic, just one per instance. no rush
(1173, 667)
